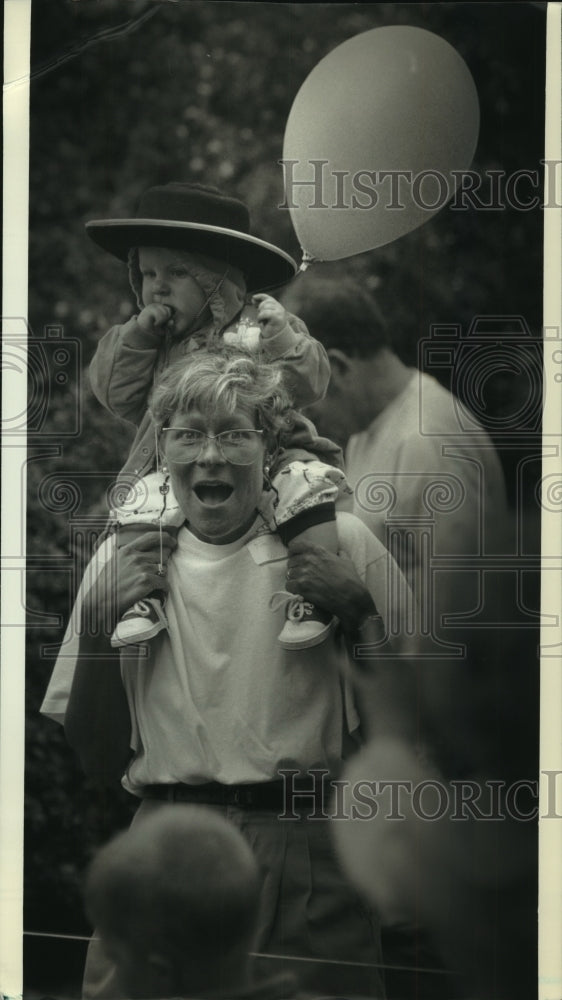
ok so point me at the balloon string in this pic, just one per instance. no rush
(163, 490)
(307, 260)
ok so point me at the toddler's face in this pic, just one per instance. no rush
(166, 280)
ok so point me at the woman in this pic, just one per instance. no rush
(215, 711)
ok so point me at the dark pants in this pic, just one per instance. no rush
(308, 909)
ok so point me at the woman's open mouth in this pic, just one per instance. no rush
(213, 494)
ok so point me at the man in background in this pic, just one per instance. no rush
(432, 491)
(427, 480)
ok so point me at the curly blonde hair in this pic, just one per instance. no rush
(226, 377)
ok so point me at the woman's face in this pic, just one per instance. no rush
(218, 498)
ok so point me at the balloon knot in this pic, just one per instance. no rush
(307, 260)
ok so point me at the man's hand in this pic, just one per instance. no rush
(153, 318)
(271, 315)
(330, 581)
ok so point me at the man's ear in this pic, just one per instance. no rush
(341, 366)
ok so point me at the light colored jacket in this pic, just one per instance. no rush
(128, 360)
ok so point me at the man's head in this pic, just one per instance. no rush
(339, 312)
(175, 902)
(346, 319)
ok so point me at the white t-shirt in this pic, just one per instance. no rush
(425, 463)
(218, 698)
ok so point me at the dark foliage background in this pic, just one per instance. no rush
(128, 93)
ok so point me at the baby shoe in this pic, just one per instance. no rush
(305, 625)
(143, 621)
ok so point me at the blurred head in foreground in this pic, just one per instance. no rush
(175, 901)
(455, 857)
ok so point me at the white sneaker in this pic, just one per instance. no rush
(306, 625)
(143, 621)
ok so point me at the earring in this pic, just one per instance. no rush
(269, 487)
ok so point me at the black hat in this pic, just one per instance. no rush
(199, 220)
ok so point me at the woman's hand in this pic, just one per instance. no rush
(331, 582)
(130, 575)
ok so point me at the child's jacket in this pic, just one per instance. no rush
(127, 359)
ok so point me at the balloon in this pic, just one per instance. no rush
(373, 137)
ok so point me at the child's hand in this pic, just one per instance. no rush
(154, 316)
(271, 315)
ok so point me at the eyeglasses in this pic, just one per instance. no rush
(238, 446)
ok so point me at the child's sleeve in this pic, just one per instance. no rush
(122, 370)
(306, 364)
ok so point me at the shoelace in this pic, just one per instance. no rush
(295, 606)
(141, 608)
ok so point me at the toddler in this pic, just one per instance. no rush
(192, 263)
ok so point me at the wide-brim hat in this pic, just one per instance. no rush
(199, 220)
